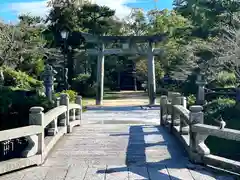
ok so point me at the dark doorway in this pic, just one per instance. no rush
(126, 82)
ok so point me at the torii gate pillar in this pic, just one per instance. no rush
(100, 75)
(151, 76)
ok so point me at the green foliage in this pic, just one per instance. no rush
(22, 45)
(166, 22)
(136, 24)
(141, 68)
(226, 79)
(20, 80)
(72, 94)
(95, 18)
(62, 17)
(191, 100)
(5, 99)
(208, 16)
(82, 78)
(225, 108)
(38, 67)
(218, 107)
(14, 107)
(82, 86)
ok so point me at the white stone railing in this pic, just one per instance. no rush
(43, 132)
(188, 126)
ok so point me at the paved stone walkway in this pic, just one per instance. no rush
(122, 114)
(118, 151)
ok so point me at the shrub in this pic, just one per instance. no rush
(161, 91)
(82, 85)
(218, 107)
(21, 80)
(5, 99)
(226, 79)
(226, 108)
(191, 99)
(14, 107)
(72, 94)
(82, 78)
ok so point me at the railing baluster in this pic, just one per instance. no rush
(53, 130)
(64, 100)
(175, 118)
(163, 110)
(73, 117)
(184, 127)
(79, 111)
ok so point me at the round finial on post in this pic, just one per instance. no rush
(64, 95)
(78, 100)
(196, 114)
(36, 116)
(163, 99)
(64, 99)
(176, 99)
(36, 109)
(196, 108)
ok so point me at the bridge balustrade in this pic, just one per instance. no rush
(188, 126)
(43, 132)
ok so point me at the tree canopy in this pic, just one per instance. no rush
(200, 34)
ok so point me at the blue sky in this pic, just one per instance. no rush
(10, 9)
(150, 4)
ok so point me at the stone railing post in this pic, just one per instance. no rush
(197, 146)
(79, 111)
(35, 142)
(163, 110)
(64, 100)
(175, 117)
(184, 127)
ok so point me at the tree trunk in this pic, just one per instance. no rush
(70, 66)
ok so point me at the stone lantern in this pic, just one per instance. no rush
(48, 79)
(201, 89)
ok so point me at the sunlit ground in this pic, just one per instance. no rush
(126, 98)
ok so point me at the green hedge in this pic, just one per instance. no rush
(19, 94)
(72, 94)
(14, 107)
(20, 80)
(81, 84)
(227, 109)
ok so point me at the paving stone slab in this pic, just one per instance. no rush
(117, 173)
(116, 152)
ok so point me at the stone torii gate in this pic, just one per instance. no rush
(131, 45)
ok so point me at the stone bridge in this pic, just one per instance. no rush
(118, 143)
